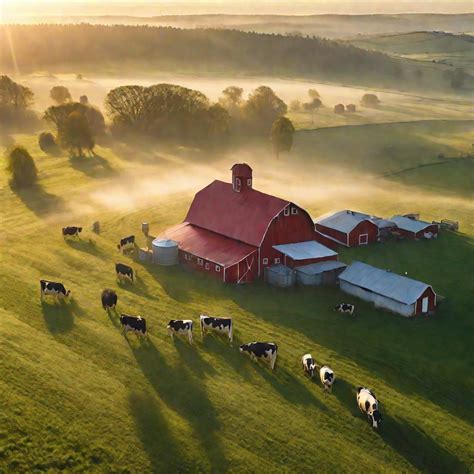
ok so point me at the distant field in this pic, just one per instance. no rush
(444, 48)
(78, 396)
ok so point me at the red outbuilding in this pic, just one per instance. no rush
(233, 231)
(415, 229)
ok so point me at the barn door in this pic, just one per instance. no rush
(247, 273)
(424, 305)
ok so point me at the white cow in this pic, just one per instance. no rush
(369, 405)
(309, 364)
(326, 374)
(218, 325)
(181, 327)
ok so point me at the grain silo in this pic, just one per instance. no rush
(165, 252)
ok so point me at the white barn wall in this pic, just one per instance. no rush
(378, 300)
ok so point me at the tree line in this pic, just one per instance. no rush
(39, 46)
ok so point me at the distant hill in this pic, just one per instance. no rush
(202, 51)
(328, 26)
(445, 48)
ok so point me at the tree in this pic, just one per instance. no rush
(231, 100)
(281, 135)
(262, 108)
(339, 109)
(46, 141)
(351, 108)
(84, 100)
(75, 134)
(313, 94)
(21, 166)
(14, 95)
(60, 94)
(295, 105)
(370, 100)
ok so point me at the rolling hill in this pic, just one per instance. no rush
(78, 396)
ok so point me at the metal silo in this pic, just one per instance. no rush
(165, 252)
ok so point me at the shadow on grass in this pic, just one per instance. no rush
(94, 166)
(87, 246)
(420, 450)
(114, 316)
(40, 201)
(346, 394)
(184, 393)
(163, 451)
(138, 287)
(59, 318)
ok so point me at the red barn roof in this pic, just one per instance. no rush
(208, 245)
(243, 216)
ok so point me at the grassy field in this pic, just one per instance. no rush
(77, 395)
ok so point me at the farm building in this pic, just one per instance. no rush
(414, 228)
(323, 273)
(388, 290)
(280, 275)
(234, 232)
(348, 228)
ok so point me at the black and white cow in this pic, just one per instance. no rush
(124, 272)
(135, 324)
(181, 327)
(218, 325)
(126, 244)
(309, 364)
(369, 405)
(56, 290)
(71, 232)
(109, 299)
(326, 374)
(267, 351)
(345, 308)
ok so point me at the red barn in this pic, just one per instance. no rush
(348, 228)
(233, 231)
(414, 228)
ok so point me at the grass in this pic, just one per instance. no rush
(77, 395)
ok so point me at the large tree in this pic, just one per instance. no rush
(262, 108)
(21, 167)
(60, 94)
(76, 135)
(231, 99)
(281, 135)
(14, 95)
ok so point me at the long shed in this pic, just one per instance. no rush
(323, 273)
(414, 228)
(388, 290)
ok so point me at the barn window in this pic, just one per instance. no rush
(207, 266)
(277, 260)
(237, 184)
(363, 239)
(294, 211)
(265, 261)
(218, 268)
(286, 212)
(249, 182)
(200, 261)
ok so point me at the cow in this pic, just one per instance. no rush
(309, 364)
(51, 288)
(71, 232)
(261, 350)
(124, 272)
(135, 324)
(109, 299)
(181, 327)
(345, 308)
(369, 405)
(327, 377)
(219, 325)
(126, 244)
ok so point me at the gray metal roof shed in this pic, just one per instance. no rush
(320, 267)
(305, 250)
(411, 225)
(383, 282)
(343, 221)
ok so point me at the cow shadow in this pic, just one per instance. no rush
(114, 316)
(39, 201)
(162, 449)
(419, 449)
(190, 355)
(94, 166)
(87, 246)
(138, 287)
(346, 394)
(58, 318)
(185, 394)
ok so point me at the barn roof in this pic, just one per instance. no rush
(305, 250)
(344, 221)
(320, 267)
(383, 282)
(243, 216)
(208, 245)
(412, 225)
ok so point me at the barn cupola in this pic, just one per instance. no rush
(241, 177)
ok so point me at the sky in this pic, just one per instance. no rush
(18, 8)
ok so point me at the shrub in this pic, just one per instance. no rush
(339, 109)
(46, 141)
(370, 100)
(21, 166)
(351, 108)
